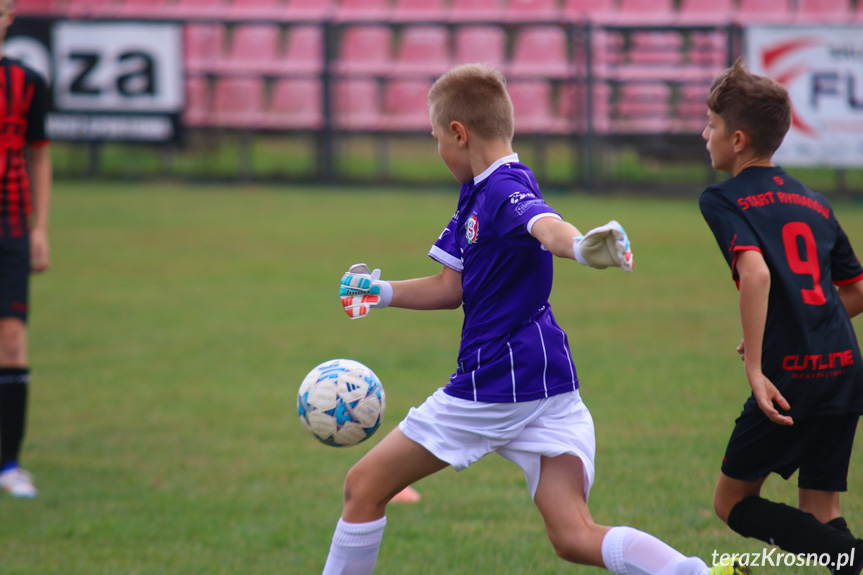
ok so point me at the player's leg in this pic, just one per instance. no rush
(560, 497)
(824, 505)
(392, 465)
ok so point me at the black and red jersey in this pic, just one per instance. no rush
(810, 350)
(23, 107)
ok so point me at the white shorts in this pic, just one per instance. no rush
(461, 432)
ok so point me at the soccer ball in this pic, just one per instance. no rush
(341, 402)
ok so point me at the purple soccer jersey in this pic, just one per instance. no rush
(511, 346)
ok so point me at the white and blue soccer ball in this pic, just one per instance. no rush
(342, 402)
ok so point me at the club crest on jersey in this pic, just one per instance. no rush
(472, 229)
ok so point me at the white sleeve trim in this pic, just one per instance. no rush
(446, 259)
(538, 217)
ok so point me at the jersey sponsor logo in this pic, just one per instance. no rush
(523, 207)
(472, 229)
(818, 365)
(770, 198)
(516, 197)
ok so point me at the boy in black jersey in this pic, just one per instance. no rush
(786, 251)
(25, 190)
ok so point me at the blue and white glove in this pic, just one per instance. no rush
(604, 247)
(361, 290)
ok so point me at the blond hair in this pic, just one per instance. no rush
(476, 96)
(757, 105)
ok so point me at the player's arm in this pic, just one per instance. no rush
(754, 282)
(852, 297)
(362, 289)
(40, 171)
(602, 247)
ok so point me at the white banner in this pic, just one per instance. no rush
(118, 67)
(822, 67)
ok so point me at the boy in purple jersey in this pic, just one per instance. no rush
(786, 251)
(515, 391)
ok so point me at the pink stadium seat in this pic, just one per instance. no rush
(419, 10)
(653, 55)
(304, 49)
(357, 104)
(709, 50)
(858, 14)
(423, 50)
(198, 106)
(476, 10)
(645, 12)
(81, 8)
(142, 9)
(705, 12)
(296, 104)
(38, 7)
(365, 50)
(763, 12)
(238, 102)
(307, 10)
(363, 10)
(643, 108)
(824, 11)
(480, 43)
(607, 51)
(540, 51)
(690, 108)
(533, 107)
(532, 10)
(583, 115)
(204, 43)
(579, 10)
(406, 105)
(257, 9)
(187, 9)
(254, 48)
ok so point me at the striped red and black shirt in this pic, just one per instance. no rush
(23, 107)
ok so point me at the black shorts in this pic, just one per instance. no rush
(819, 446)
(14, 277)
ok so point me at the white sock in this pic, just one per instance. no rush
(628, 551)
(355, 547)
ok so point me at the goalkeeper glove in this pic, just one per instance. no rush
(361, 290)
(604, 247)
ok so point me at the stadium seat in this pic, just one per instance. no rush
(763, 12)
(532, 11)
(480, 43)
(419, 11)
(643, 108)
(204, 43)
(690, 108)
(532, 102)
(582, 115)
(197, 110)
(607, 52)
(77, 8)
(645, 12)
(476, 10)
(357, 104)
(406, 105)
(295, 104)
(304, 49)
(540, 51)
(39, 7)
(272, 10)
(595, 10)
(423, 50)
(307, 10)
(203, 9)
(238, 102)
(657, 55)
(142, 9)
(363, 11)
(254, 48)
(705, 12)
(709, 50)
(364, 49)
(824, 11)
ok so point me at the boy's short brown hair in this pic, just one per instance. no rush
(476, 96)
(757, 105)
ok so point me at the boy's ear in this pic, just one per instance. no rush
(460, 133)
(740, 141)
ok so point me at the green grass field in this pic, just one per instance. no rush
(171, 334)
